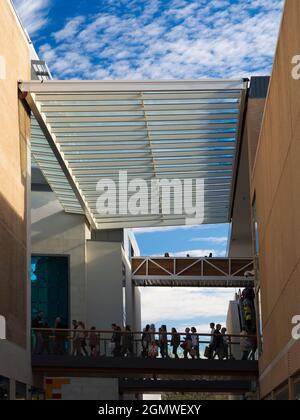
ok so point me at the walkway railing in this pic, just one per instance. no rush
(189, 271)
(107, 343)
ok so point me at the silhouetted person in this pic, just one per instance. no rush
(224, 349)
(146, 339)
(195, 343)
(38, 323)
(94, 342)
(175, 342)
(217, 342)
(118, 337)
(59, 340)
(187, 344)
(245, 344)
(127, 342)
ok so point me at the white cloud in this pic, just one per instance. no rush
(183, 306)
(220, 240)
(179, 39)
(163, 229)
(138, 231)
(33, 13)
(70, 29)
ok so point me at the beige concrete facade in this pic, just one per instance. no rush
(14, 176)
(275, 185)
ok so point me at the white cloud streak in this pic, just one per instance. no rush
(218, 240)
(138, 231)
(181, 39)
(33, 13)
(184, 305)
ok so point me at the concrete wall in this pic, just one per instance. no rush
(275, 182)
(233, 326)
(241, 244)
(104, 284)
(14, 153)
(133, 299)
(54, 232)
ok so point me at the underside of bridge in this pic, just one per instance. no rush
(52, 365)
(152, 386)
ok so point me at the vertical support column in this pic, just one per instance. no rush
(28, 244)
(291, 389)
(104, 279)
(12, 389)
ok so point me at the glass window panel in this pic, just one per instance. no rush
(4, 388)
(21, 391)
(50, 288)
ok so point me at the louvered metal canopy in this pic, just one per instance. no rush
(84, 131)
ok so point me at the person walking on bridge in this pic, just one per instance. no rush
(217, 342)
(175, 342)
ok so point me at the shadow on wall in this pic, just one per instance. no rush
(49, 217)
(13, 265)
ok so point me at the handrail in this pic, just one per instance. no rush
(138, 332)
(123, 343)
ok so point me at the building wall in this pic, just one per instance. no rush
(275, 183)
(100, 389)
(96, 266)
(241, 244)
(54, 232)
(14, 147)
(104, 284)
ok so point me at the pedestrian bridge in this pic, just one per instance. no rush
(192, 272)
(54, 354)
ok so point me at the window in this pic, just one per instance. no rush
(256, 232)
(50, 288)
(36, 394)
(256, 265)
(4, 388)
(21, 391)
(297, 388)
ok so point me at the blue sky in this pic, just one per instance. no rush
(192, 240)
(160, 39)
(142, 39)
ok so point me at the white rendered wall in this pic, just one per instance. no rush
(104, 284)
(234, 327)
(57, 233)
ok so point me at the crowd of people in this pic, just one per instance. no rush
(124, 343)
(220, 345)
